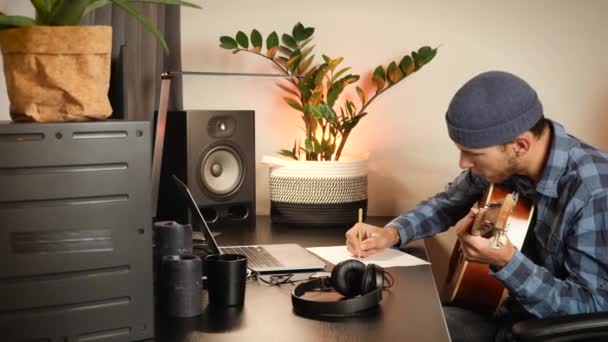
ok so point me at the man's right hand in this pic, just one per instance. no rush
(373, 239)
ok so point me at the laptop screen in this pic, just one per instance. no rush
(187, 196)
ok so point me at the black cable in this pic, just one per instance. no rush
(203, 248)
(389, 280)
(283, 279)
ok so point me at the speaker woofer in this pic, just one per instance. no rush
(221, 171)
(191, 140)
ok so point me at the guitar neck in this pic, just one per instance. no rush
(506, 210)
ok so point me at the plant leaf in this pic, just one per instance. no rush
(379, 78)
(426, 54)
(127, 7)
(281, 60)
(339, 73)
(42, 11)
(424, 51)
(305, 42)
(394, 73)
(308, 145)
(272, 41)
(337, 87)
(289, 41)
(53, 6)
(417, 60)
(298, 32)
(325, 146)
(348, 125)
(7, 21)
(406, 65)
(350, 107)
(335, 62)
(289, 90)
(242, 39)
(228, 43)
(320, 74)
(304, 86)
(361, 94)
(294, 61)
(69, 12)
(170, 2)
(285, 50)
(93, 5)
(305, 64)
(301, 33)
(348, 79)
(40, 5)
(316, 111)
(329, 114)
(288, 153)
(317, 145)
(293, 104)
(256, 40)
(272, 52)
(308, 32)
(307, 51)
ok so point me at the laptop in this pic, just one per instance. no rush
(260, 258)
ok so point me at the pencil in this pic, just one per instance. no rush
(359, 233)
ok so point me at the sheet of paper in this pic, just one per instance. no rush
(389, 258)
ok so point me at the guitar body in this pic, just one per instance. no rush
(469, 284)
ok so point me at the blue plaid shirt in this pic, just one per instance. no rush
(563, 266)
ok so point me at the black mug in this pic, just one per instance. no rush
(226, 278)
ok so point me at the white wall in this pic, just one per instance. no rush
(558, 46)
(14, 8)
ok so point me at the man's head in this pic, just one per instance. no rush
(488, 118)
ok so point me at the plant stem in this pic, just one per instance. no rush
(278, 65)
(341, 146)
(362, 110)
(285, 71)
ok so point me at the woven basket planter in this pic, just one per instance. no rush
(57, 73)
(317, 193)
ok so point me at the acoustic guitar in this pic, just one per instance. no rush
(501, 214)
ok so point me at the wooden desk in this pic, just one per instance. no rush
(410, 311)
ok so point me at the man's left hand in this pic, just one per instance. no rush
(477, 248)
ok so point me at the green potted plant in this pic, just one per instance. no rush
(313, 178)
(56, 70)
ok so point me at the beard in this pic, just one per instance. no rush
(501, 173)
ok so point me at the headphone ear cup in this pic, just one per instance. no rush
(378, 279)
(368, 281)
(347, 277)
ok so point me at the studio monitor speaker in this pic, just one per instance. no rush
(213, 152)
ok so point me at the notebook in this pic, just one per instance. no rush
(260, 258)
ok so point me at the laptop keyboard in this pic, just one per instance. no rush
(256, 256)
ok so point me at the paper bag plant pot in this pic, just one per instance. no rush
(57, 73)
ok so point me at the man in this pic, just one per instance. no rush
(496, 121)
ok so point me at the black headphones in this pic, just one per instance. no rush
(361, 285)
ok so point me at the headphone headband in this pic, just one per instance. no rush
(341, 308)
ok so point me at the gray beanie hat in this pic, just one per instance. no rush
(492, 109)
